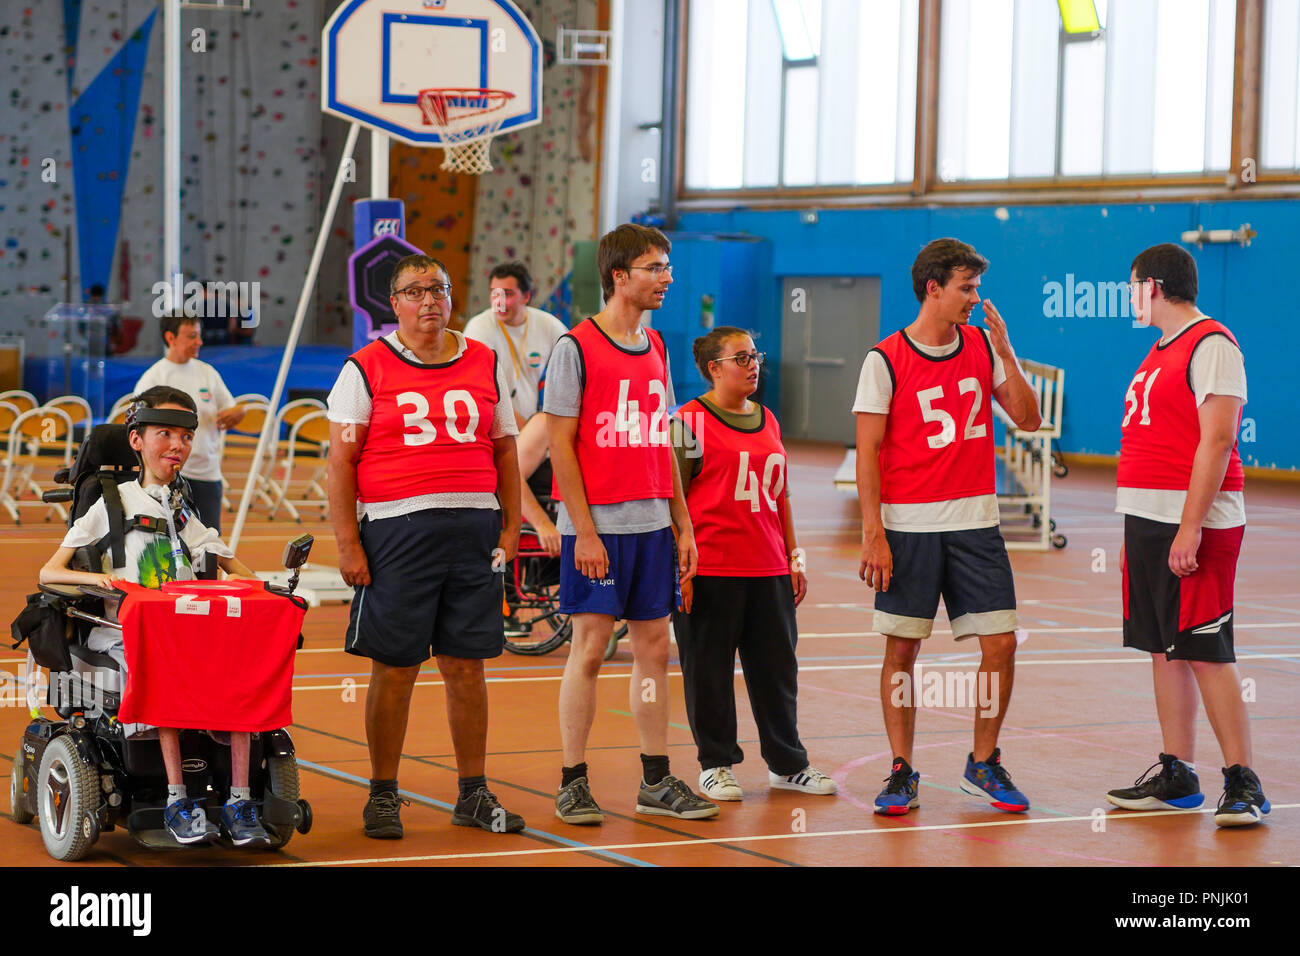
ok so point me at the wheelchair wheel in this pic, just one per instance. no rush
(533, 622)
(282, 780)
(535, 627)
(67, 799)
(17, 800)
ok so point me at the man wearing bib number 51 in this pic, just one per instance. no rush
(1180, 491)
(422, 435)
(930, 509)
(608, 391)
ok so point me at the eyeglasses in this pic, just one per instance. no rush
(1136, 287)
(656, 270)
(416, 293)
(742, 359)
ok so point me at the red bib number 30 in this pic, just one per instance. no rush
(457, 404)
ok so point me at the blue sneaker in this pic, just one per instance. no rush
(1243, 801)
(239, 820)
(186, 822)
(1175, 787)
(900, 793)
(990, 780)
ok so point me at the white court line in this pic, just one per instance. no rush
(817, 635)
(803, 669)
(540, 851)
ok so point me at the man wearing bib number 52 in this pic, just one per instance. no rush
(422, 435)
(1180, 491)
(608, 391)
(930, 509)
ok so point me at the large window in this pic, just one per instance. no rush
(799, 93)
(823, 94)
(1280, 99)
(1149, 93)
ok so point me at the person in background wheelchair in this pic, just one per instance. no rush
(164, 539)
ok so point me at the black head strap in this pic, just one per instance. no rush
(141, 415)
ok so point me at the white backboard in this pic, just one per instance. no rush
(378, 54)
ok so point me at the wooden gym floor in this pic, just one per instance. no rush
(1082, 721)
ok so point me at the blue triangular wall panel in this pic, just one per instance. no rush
(103, 124)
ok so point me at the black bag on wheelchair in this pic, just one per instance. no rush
(44, 626)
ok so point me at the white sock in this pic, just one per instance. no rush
(176, 792)
(239, 793)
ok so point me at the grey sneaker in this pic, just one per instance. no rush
(186, 822)
(382, 815)
(575, 804)
(482, 809)
(672, 798)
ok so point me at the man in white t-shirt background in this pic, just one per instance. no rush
(180, 368)
(522, 337)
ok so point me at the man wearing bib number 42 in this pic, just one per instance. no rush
(1180, 490)
(930, 510)
(608, 391)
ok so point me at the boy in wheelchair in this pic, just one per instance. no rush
(160, 540)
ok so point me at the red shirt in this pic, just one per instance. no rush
(429, 424)
(938, 442)
(622, 438)
(735, 500)
(209, 655)
(1161, 426)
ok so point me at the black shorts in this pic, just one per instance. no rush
(969, 568)
(1189, 618)
(432, 588)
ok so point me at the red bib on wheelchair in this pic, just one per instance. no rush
(209, 655)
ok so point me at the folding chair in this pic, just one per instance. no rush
(37, 437)
(78, 410)
(287, 417)
(23, 401)
(308, 443)
(240, 443)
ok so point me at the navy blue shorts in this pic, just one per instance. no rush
(432, 588)
(969, 568)
(642, 581)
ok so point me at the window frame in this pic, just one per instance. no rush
(925, 186)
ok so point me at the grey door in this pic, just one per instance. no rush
(828, 323)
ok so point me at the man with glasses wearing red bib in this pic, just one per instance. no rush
(608, 392)
(422, 435)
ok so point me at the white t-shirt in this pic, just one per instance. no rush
(349, 404)
(203, 383)
(148, 557)
(522, 350)
(1217, 368)
(875, 393)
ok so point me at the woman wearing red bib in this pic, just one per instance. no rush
(750, 578)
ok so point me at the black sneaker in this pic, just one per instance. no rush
(382, 815)
(575, 804)
(672, 798)
(482, 809)
(1175, 787)
(1243, 801)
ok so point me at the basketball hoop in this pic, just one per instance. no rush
(466, 120)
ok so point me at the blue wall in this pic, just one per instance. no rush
(1033, 245)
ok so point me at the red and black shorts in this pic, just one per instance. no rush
(1189, 618)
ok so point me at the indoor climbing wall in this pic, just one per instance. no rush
(543, 194)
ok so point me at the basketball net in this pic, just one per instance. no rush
(465, 120)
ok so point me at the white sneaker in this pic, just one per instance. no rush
(719, 784)
(807, 780)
